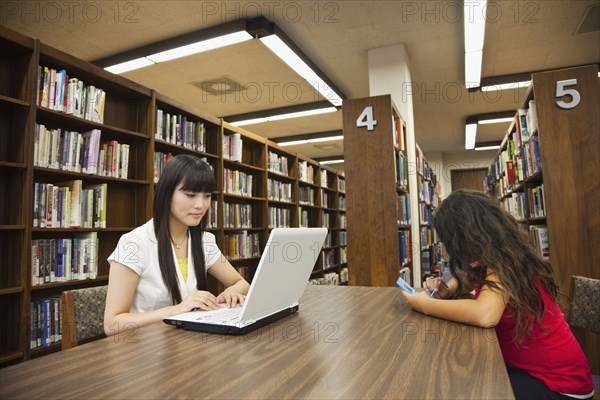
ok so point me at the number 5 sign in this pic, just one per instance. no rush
(562, 91)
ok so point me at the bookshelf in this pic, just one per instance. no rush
(546, 173)
(377, 192)
(429, 198)
(155, 128)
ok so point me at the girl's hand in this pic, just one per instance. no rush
(231, 297)
(416, 301)
(199, 299)
(440, 287)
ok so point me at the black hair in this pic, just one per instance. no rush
(196, 176)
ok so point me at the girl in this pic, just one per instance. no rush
(159, 269)
(514, 292)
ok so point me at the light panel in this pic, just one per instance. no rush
(287, 55)
(470, 133)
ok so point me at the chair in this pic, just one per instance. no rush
(585, 310)
(585, 305)
(82, 315)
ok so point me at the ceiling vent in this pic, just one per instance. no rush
(590, 21)
(219, 86)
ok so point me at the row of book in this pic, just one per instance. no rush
(304, 220)
(211, 216)
(63, 260)
(342, 185)
(306, 172)
(342, 203)
(241, 245)
(46, 322)
(69, 205)
(425, 214)
(406, 274)
(428, 192)
(328, 258)
(328, 240)
(343, 255)
(237, 182)
(237, 215)
(280, 217)
(306, 195)
(404, 247)
(403, 205)
(176, 129)
(232, 147)
(401, 170)
(539, 237)
(342, 238)
(331, 278)
(162, 159)
(278, 164)
(426, 236)
(526, 124)
(343, 221)
(80, 152)
(515, 205)
(279, 191)
(398, 130)
(537, 201)
(56, 91)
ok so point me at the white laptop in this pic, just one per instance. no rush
(281, 277)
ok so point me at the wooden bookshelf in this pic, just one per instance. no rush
(568, 160)
(134, 115)
(373, 186)
(428, 190)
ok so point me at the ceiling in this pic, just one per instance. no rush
(521, 36)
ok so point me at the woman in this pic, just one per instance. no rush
(514, 292)
(159, 269)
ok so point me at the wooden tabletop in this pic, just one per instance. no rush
(345, 342)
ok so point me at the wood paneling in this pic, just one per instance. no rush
(468, 179)
(371, 194)
(570, 151)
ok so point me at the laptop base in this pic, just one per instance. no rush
(230, 329)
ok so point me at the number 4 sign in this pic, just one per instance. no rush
(366, 119)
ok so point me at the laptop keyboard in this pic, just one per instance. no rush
(224, 314)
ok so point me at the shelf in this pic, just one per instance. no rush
(244, 229)
(242, 259)
(12, 290)
(15, 355)
(536, 219)
(534, 178)
(71, 284)
(239, 196)
(13, 165)
(281, 203)
(83, 124)
(42, 351)
(236, 164)
(87, 177)
(81, 230)
(183, 149)
(277, 175)
(12, 227)
(11, 101)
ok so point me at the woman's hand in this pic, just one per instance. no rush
(417, 301)
(231, 297)
(441, 289)
(198, 299)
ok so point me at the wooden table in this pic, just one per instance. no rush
(345, 342)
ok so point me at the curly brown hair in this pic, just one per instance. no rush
(473, 227)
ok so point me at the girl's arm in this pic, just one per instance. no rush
(237, 287)
(485, 311)
(122, 285)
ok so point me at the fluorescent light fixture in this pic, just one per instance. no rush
(341, 160)
(287, 55)
(316, 111)
(473, 62)
(474, 29)
(199, 47)
(474, 19)
(504, 86)
(129, 65)
(487, 148)
(495, 120)
(306, 141)
(470, 133)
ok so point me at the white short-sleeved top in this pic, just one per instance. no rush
(138, 250)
